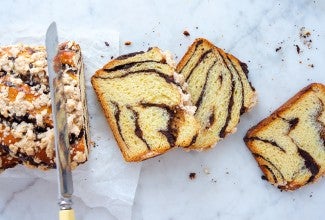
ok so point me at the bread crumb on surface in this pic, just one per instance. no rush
(192, 176)
(127, 43)
(206, 171)
(186, 33)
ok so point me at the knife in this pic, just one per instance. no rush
(61, 139)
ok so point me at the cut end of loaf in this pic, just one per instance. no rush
(26, 129)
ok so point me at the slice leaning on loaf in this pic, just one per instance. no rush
(144, 102)
(289, 145)
(26, 129)
(219, 88)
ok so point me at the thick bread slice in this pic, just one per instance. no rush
(289, 145)
(145, 104)
(26, 130)
(219, 88)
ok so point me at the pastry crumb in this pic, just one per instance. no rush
(297, 48)
(127, 43)
(186, 33)
(107, 44)
(192, 176)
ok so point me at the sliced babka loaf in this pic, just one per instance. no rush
(289, 145)
(145, 104)
(26, 130)
(219, 88)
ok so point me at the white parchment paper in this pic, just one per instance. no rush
(105, 180)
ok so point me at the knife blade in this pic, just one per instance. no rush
(61, 139)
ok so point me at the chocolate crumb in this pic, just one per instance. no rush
(101, 56)
(310, 195)
(300, 62)
(196, 28)
(127, 43)
(297, 48)
(227, 172)
(192, 176)
(311, 65)
(112, 57)
(277, 49)
(107, 44)
(282, 60)
(263, 177)
(186, 33)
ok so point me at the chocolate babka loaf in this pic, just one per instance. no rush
(289, 145)
(145, 103)
(26, 129)
(219, 88)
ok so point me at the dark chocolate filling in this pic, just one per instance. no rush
(73, 138)
(260, 156)
(169, 133)
(271, 171)
(29, 159)
(199, 101)
(129, 65)
(222, 133)
(125, 56)
(310, 163)
(195, 49)
(243, 109)
(168, 79)
(117, 119)
(192, 141)
(273, 143)
(138, 131)
(18, 119)
(202, 57)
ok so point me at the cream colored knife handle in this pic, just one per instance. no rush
(66, 214)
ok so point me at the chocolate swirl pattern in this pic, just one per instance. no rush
(26, 130)
(144, 104)
(219, 88)
(289, 145)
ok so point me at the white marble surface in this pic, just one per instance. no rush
(251, 30)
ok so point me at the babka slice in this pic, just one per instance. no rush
(289, 145)
(219, 88)
(26, 130)
(146, 107)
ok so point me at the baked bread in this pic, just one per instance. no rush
(289, 145)
(145, 104)
(219, 88)
(26, 129)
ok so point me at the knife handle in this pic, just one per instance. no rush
(66, 214)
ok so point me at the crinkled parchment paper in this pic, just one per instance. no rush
(105, 180)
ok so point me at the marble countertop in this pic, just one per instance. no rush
(228, 183)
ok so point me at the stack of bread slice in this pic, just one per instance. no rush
(153, 106)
